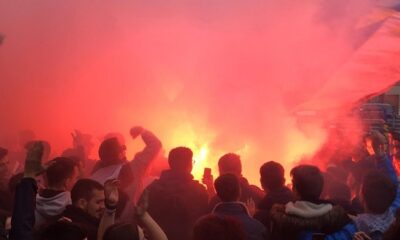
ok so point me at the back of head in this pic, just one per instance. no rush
(339, 191)
(122, 231)
(377, 192)
(211, 227)
(110, 150)
(63, 230)
(227, 187)
(83, 189)
(181, 159)
(308, 182)
(272, 176)
(230, 163)
(60, 170)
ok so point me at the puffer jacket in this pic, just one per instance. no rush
(319, 218)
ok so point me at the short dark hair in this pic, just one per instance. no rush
(308, 181)
(122, 231)
(212, 227)
(378, 192)
(83, 189)
(230, 163)
(63, 230)
(227, 187)
(180, 159)
(110, 149)
(61, 169)
(272, 175)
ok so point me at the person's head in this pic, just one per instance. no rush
(62, 173)
(377, 192)
(375, 143)
(212, 227)
(122, 231)
(272, 176)
(230, 163)
(227, 187)
(339, 191)
(63, 230)
(88, 195)
(111, 150)
(181, 159)
(307, 182)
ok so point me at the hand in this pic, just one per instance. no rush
(143, 204)
(136, 131)
(251, 206)
(208, 181)
(33, 161)
(361, 236)
(111, 193)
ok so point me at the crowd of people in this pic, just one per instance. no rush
(74, 198)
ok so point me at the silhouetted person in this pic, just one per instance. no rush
(113, 164)
(377, 193)
(23, 218)
(273, 182)
(176, 201)
(309, 213)
(340, 194)
(61, 175)
(212, 227)
(87, 206)
(228, 190)
(231, 163)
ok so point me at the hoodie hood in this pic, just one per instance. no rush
(370, 223)
(306, 209)
(52, 206)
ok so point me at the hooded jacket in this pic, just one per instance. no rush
(291, 220)
(50, 205)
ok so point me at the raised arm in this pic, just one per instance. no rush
(150, 226)
(111, 201)
(23, 218)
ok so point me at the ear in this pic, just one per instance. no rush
(82, 203)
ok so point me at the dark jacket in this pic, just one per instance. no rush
(88, 223)
(290, 226)
(23, 218)
(281, 196)
(247, 192)
(253, 229)
(176, 201)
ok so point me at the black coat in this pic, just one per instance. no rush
(281, 196)
(176, 201)
(79, 217)
(23, 218)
